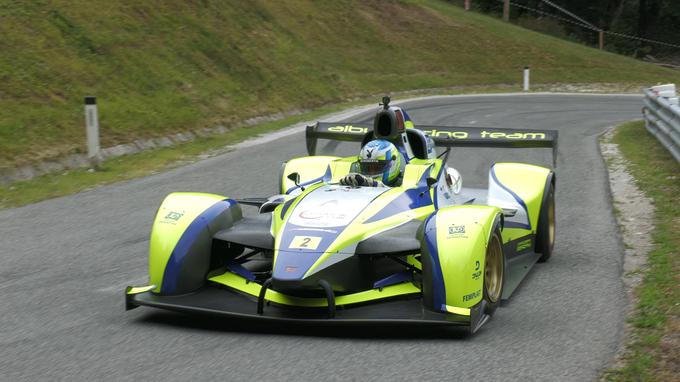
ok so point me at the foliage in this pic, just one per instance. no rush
(652, 19)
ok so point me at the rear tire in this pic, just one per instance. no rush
(494, 273)
(545, 233)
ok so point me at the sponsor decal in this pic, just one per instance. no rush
(348, 129)
(454, 229)
(316, 214)
(501, 135)
(485, 135)
(327, 211)
(447, 134)
(452, 134)
(305, 242)
(322, 209)
(472, 296)
(477, 272)
(315, 229)
(290, 269)
(457, 231)
(172, 217)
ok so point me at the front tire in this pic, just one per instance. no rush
(494, 273)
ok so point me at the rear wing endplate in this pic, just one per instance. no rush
(443, 136)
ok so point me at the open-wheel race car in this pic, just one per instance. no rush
(423, 251)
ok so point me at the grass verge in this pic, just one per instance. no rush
(141, 164)
(653, 353)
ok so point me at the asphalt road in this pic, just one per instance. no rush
(66, 261)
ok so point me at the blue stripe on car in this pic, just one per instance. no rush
(291, 263)
(408, 200)
(174, 265)
(430, 237)
(298, 261)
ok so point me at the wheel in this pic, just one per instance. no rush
(494, 273)
(545, 233)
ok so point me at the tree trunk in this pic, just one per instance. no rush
(642, 18)
(614, 8)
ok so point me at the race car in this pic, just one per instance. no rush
(426, 251)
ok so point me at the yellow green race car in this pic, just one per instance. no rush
(424, 252)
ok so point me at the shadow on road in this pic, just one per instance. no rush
(223, 325)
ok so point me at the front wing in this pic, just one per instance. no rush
(224, 302)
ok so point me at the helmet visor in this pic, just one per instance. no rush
(373, 167)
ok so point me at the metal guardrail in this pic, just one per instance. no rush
(662, 117)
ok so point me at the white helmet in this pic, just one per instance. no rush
(380, 160)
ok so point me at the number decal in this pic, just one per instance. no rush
(305, 242)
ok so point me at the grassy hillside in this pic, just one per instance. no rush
(165, 66)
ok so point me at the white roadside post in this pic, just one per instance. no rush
(92, 130)
(526, 79)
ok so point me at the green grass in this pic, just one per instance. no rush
(161, 67)
(658, 310)
(137, 165)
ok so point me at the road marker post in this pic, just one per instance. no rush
(526, 79)
(92, 131)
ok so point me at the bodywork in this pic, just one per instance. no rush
(322, 252)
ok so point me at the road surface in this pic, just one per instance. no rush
(66, 261)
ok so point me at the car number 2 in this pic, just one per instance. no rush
(305, 242)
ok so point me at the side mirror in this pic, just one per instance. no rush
(295, 177)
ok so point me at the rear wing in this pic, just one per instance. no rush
(443, 136)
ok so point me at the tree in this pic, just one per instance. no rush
(650, 19)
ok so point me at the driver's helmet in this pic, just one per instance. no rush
(380, 160)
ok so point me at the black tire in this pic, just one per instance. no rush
(493, 292)
(545, 233)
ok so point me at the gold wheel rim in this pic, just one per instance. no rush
(551, 220)
(493, 270)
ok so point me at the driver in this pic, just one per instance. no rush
(381, 164)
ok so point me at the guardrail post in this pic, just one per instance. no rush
(526, 79)
(92, 131)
